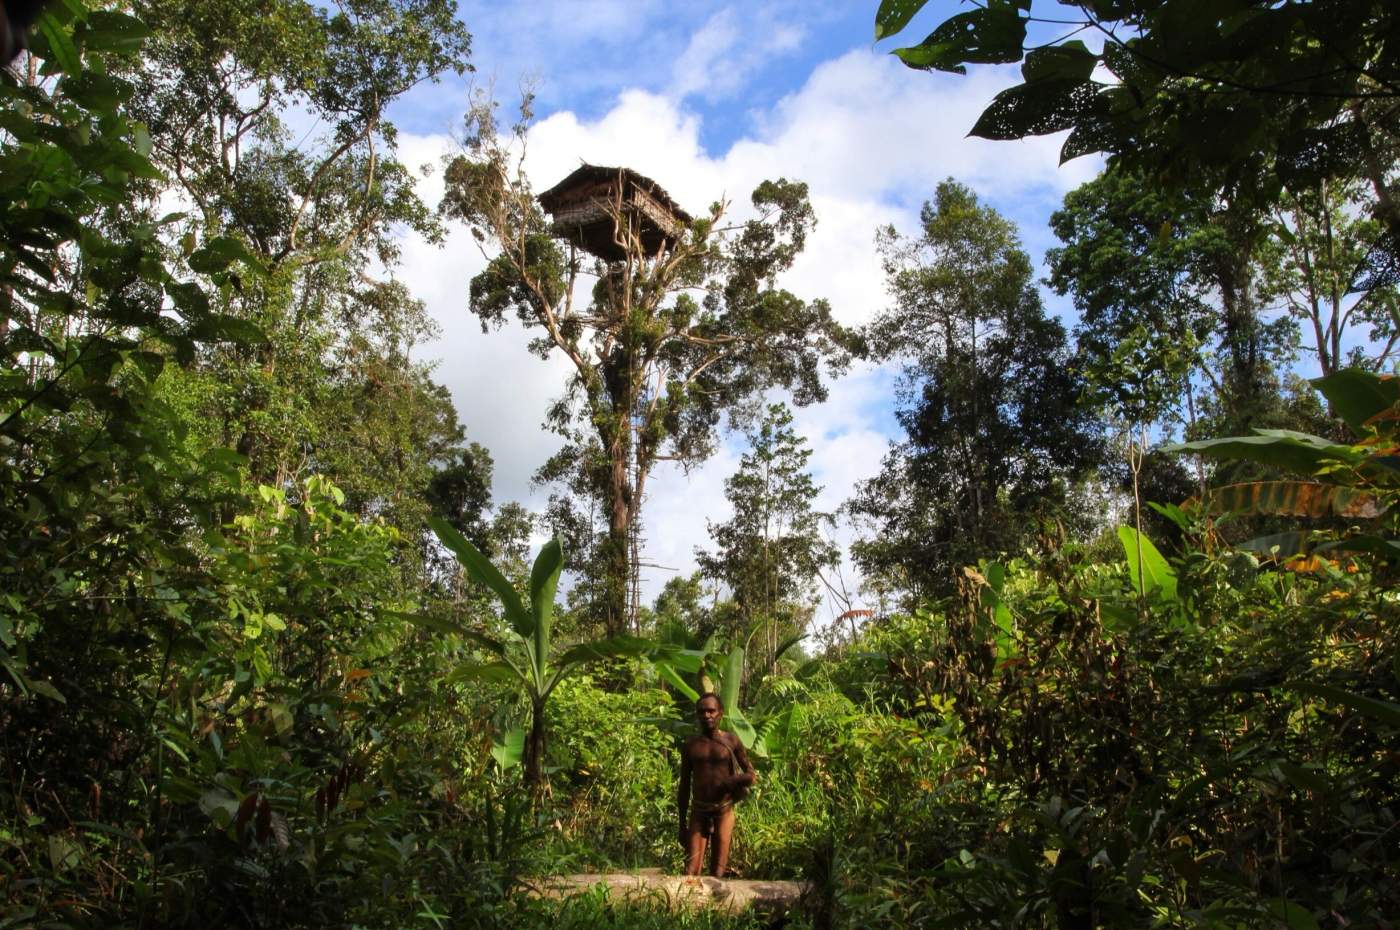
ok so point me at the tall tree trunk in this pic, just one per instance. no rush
(617, 558)
(1245, 376)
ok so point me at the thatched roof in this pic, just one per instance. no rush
(583, 205)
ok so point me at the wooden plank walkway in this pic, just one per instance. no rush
(731, 895)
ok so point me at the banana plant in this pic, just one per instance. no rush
(525, 656)
(724, 678)
(1357, 481)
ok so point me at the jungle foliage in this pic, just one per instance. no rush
(271, 656)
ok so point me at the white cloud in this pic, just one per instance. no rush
(699, 67)
(872, 141)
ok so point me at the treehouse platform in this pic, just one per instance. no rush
(614, 212)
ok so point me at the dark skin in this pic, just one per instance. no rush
(708, 783)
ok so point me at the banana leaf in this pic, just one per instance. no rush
(1293, 499)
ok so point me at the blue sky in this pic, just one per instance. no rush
(710, 98)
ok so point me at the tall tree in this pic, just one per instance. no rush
(1319, 241)
(681, 606)
(1166, 283)
(269, 122)
(653, 369)
(770, 551)
(989, 399)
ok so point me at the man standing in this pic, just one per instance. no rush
(715, 765)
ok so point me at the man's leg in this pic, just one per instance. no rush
(724, 832)
(695, 846)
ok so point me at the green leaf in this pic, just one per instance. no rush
(1287, 450)
(1374, 545)
(1172, 513)
(189, 298)
(107, 30)
(510, 749)
(1294, 916)
(1357, 396)
(281, 717)
(489, 643)
(483, 572)
(544, 580)
(46, 689)
(224, 327)
(1036, 109)
(231, 249)
(733, 677)
(1384, 711)
(680, 684)
(685, 660)
(779, 730)
(1117, 616)
(1277, 545)
(57, 44)
(991, 35)
(99, 93)
(894, 15)
(1071, 61)
(207, 261)
(787, 644)
(736, 723)
(425, 621)
(1300, 777)
(1157, 575)
(611, 647)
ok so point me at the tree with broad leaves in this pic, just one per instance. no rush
(666, 341)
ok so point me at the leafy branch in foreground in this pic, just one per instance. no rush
(1244, 97)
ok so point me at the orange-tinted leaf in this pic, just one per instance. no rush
(1306, 564)
(1293, 499)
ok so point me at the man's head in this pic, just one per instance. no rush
(709, 710)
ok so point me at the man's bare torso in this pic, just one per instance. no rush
(712, 766)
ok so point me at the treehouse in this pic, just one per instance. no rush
(598, 209)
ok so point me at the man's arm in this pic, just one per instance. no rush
(683, 795)
(747, 775)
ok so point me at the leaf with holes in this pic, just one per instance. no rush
(894, 15)
(1039, 108)
(991, 35)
